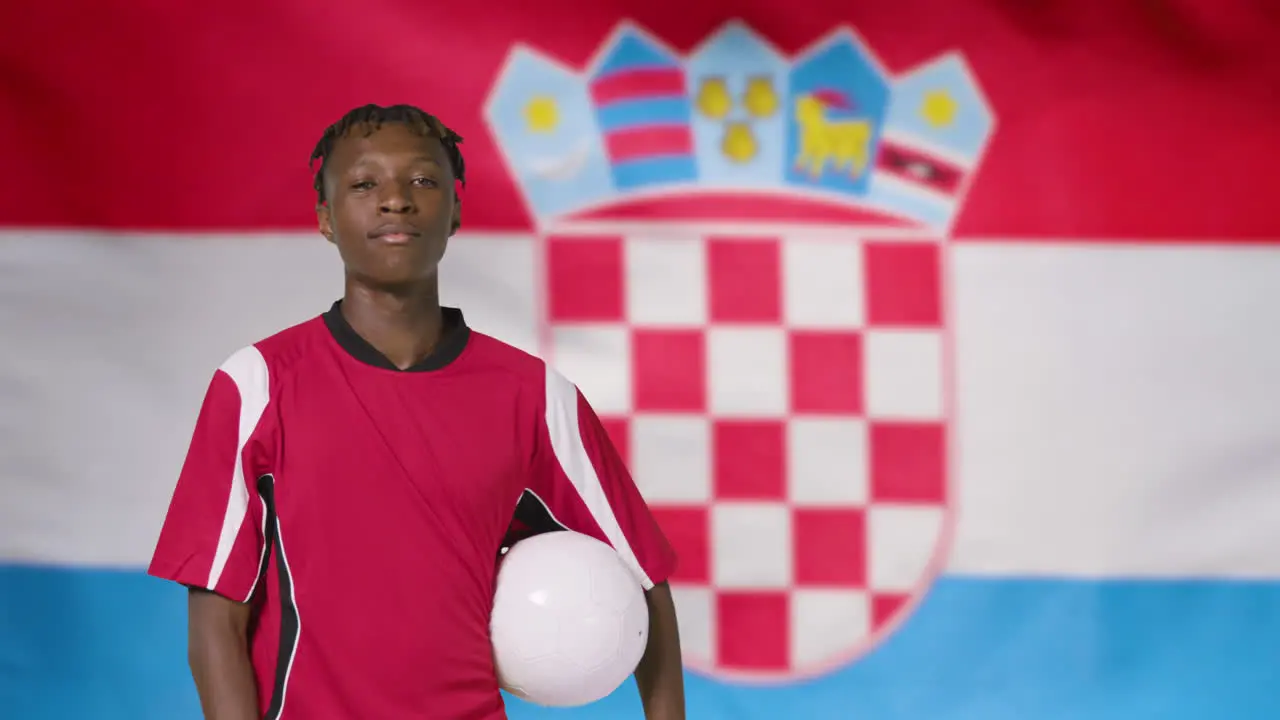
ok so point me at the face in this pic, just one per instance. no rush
(391, 205)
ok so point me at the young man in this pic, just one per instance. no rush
(352, 479)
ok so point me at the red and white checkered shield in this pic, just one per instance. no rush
(744, 273)
(780, 392)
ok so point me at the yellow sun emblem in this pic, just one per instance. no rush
(541, 114)
(938, 108)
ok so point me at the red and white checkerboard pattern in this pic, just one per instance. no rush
(780, 402)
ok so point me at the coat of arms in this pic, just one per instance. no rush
(744, 262)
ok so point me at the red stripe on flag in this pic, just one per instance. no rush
(1160, 137)
(640, 84)
(648, 142)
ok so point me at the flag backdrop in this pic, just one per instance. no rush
(939, 334)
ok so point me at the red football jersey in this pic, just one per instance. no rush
(361, 510)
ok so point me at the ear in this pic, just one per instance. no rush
(457, 215)
(324, 218)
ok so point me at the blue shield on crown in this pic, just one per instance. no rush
(743, 257)
(738, 84)
(641, 106)
(838, 101)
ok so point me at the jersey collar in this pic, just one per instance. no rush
(453, 341)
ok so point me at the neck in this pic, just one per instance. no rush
(404, 324)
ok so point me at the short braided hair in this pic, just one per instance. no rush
(372, 117)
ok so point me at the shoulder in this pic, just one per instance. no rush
(524, 367)
(533, 374)
(257, 367)
(487, 352)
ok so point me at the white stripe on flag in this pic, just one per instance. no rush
(108, 345)
(1119, 410)
(1118, 414)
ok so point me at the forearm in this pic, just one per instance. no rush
(218, 652)
(660, 674)
(224, 678)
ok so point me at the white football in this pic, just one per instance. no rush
(569, 621)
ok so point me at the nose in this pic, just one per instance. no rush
(395, 198)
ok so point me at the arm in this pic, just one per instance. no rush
(660, 675)
(211, 541)
(218, 652)
(587, 487)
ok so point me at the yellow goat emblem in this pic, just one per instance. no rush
(844, 144)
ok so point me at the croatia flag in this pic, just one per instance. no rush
(939, 334)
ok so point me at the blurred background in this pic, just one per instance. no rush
(970, 414)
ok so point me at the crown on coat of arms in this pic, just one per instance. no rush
(735, 117)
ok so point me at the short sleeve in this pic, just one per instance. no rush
(212, 533)
(587, 488)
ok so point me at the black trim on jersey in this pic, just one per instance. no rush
(289, 626)
(453, 340)
(258, 596)
(534, 517)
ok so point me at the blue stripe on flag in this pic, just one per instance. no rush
(112, 646)
(645, 112)
(660, 170)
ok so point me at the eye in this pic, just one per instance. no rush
(424, 182)
(362, 185)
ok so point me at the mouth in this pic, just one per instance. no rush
(395, 234)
